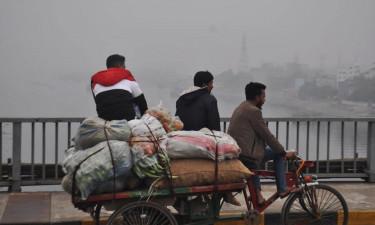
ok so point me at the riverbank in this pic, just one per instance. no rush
(326, 108)
(280, 105)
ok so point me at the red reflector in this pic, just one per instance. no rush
(307, 179)
(308, 164)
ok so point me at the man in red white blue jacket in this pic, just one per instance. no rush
(115, 91)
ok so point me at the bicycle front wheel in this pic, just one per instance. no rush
(321, 204)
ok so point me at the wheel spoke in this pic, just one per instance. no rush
(128, 218)
(151, 217)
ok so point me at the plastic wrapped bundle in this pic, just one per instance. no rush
(147, 126)
(225, 143)
(200, 145)
(149, 166)
(162, 114)
(130, 181)
(93, 167)
(169, 122)
(92, 131)
(149, 145)
(176, 124)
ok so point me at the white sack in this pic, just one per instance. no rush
(91, 132)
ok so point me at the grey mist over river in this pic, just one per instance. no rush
(317, 59)
(271, 109)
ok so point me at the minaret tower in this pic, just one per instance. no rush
(243, 65)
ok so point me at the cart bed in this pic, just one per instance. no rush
(163, 192)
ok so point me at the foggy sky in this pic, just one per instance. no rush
(50, 49)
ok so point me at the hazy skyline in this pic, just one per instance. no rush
(50, 49)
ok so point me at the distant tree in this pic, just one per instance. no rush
(280, 83)
(363, 89)
(233, 81)
(310, 90)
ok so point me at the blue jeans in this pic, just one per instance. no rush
(279, 167)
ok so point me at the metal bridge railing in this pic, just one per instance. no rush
(31, 149)
(340, 147)
(40, 143)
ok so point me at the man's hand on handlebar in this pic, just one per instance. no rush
(291, 154)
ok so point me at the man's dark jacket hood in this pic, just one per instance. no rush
(191, 96)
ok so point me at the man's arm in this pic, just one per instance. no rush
(139, 97)
(262, 130)
(212, 115)
(92, 91)
(141, 102)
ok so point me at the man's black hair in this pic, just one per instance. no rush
(202, 77)
(253, 89)
(115, 61)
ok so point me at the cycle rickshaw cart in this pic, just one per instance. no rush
(314, 204)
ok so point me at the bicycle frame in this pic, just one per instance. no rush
(291, 180)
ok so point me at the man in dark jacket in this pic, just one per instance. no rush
(197, 107)
(116, 93)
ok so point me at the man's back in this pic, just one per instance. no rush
(242, 130)
(248, 128)
(198, 109)
(115, 92)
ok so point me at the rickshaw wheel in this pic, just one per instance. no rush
(142, 213)
(321, 204)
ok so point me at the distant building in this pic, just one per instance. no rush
(369, 72)
(348, 73)
(343, 88)
(326, 81)
(344, 77)
(299, 82)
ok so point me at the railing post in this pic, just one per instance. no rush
(371, 151)
(16, 161)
